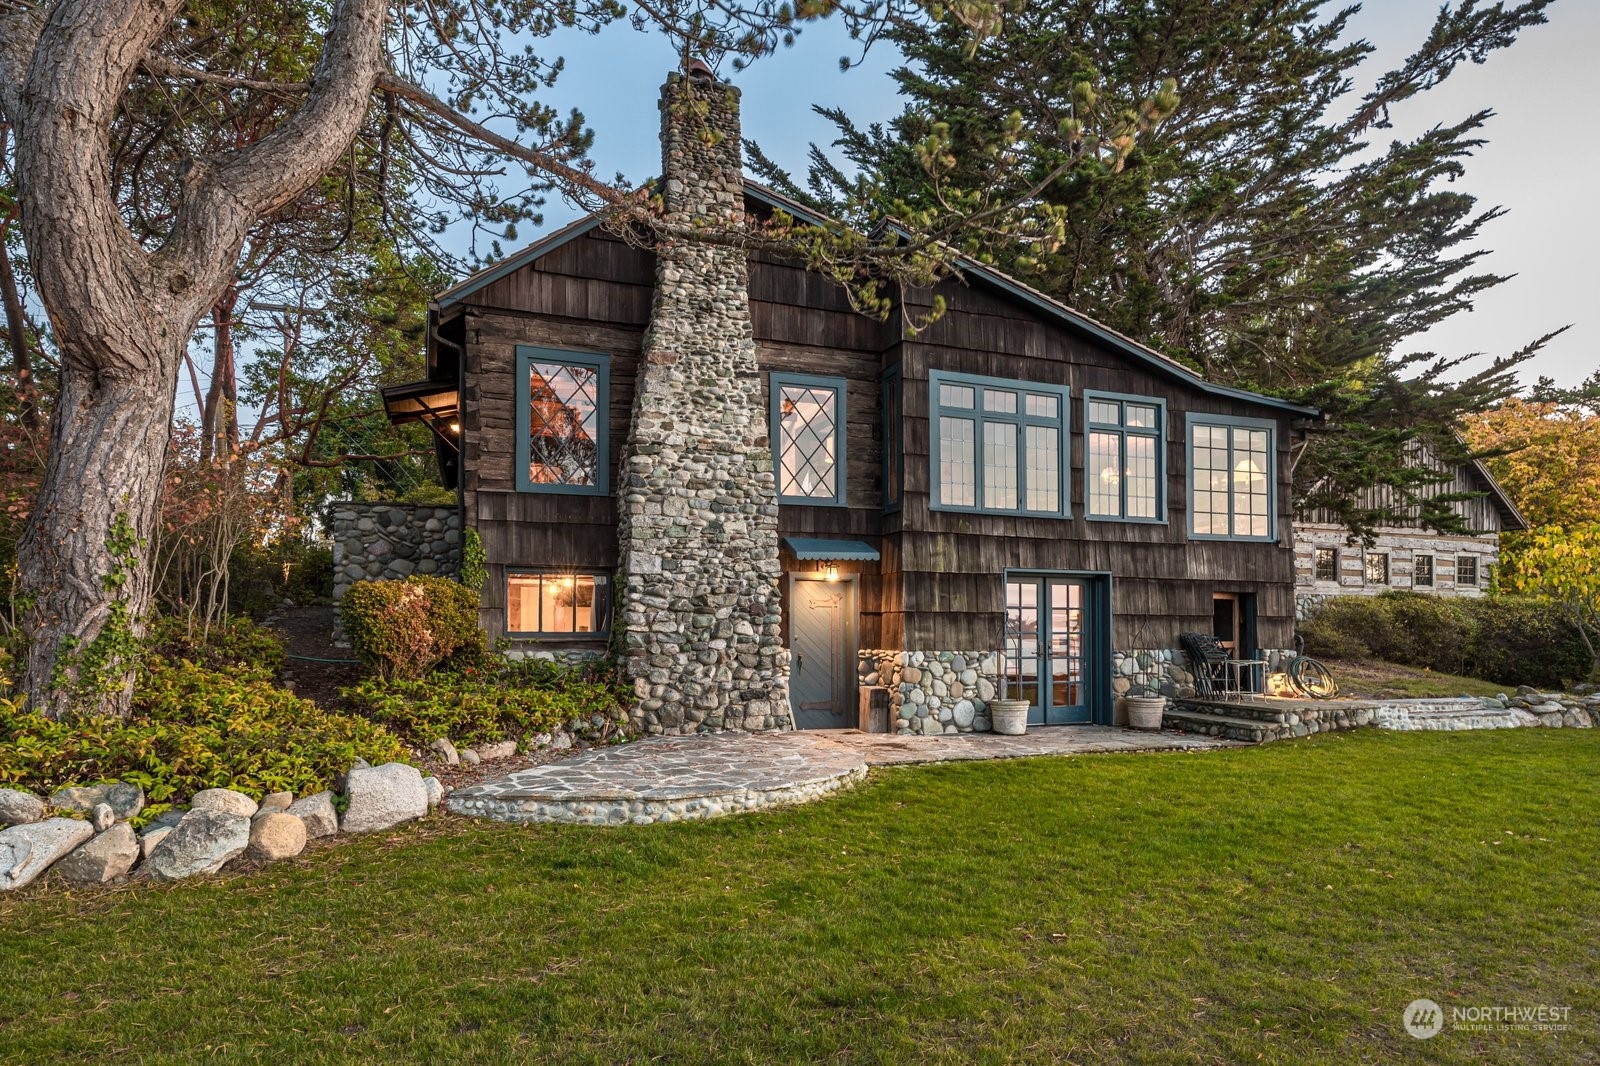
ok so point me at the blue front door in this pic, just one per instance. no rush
(1052, 639)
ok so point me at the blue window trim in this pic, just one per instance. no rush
(1194, 419)
(775, 382)
(1021, 418)
(892, 385)
(526, 354)
(601, 632)
(1159, 432)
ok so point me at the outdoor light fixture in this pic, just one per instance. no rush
(832, 572)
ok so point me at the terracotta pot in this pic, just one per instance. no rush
(1144, 712)
(1009, 717)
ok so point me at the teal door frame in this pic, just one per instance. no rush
(1096, 649)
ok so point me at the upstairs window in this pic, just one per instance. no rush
(1422, 571)
(1125, 473)
(1377, 568)
(1467, 571)
(808, 439)
(542, 603)
(1232, 478)
(1326, 565)
(563, 425)
(999, 447)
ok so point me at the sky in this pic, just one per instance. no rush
(1540, 162)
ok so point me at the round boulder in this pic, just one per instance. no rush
(201, 844)
(276, 835)
(225, 800)
(20, 808)
(104, 858)
(383, 796)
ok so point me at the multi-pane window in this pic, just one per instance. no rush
(998, 446)
(562, 421)
(1124, 473)
(554, 604)
(1230, 478)
(1467, 571)
(808, 438)
(1377, 568)
(1326, 565)
(894, 452)
(1422, 571)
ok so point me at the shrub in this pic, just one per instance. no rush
(404, 628)
(236, 646)
(1510, 640)
(480, 700)
(192, 728)
(257, 582)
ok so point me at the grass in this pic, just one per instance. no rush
(1372, 679)
(1277, 904)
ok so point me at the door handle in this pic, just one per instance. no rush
(799, 661)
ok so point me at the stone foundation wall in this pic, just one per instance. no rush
(392, 541)
(933, 692)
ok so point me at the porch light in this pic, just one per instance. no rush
(832, 572)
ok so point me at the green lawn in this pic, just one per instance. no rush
(1276, 904)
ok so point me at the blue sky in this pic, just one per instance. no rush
(1540, 162)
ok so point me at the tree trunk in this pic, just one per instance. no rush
(84, 597)
(220, 420)
(123, 316)
(17, 331)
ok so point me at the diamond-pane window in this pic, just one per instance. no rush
(808, 438)
(561, 421)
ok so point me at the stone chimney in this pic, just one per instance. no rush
(697, 497)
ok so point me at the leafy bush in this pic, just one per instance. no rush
(257, 581)
(480, 699)
(1510, 640)
(237, 646)
(192, 728)
(404, 628)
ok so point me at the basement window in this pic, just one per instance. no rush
(550, 604)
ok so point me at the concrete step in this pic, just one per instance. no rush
(1231, 727)
(1277, 715)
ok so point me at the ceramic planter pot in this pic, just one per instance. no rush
(1009, 717)
(1144, 712)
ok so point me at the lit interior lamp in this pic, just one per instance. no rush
(455, 427)
(1110, 475)
(1246, 471)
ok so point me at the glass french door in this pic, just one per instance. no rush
(1047, 638)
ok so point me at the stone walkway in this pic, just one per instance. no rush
(666, 779)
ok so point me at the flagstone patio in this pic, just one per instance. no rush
(666, 779)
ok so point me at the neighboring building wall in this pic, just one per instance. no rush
(1402, 547)
(392, 541)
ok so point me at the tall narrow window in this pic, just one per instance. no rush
(562, 423)
(894, 451)
(1326, 566)
(1125, 472)
(1232, 477)
(1377, 568)
(1422, 571)
(998, 446)
(808, 439)
(554, 604)
(1467, 571)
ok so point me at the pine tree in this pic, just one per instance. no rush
(1254, 232)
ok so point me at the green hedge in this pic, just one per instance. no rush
(1510, 640)
(192, 728)
(485, 699)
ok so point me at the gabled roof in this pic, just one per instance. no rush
(1509, 513)
(995, 279)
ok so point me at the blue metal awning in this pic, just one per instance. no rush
(819, 548)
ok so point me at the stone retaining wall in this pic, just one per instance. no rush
(1167, 671)
(392, 541)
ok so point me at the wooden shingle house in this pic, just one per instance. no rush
(766, 501)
